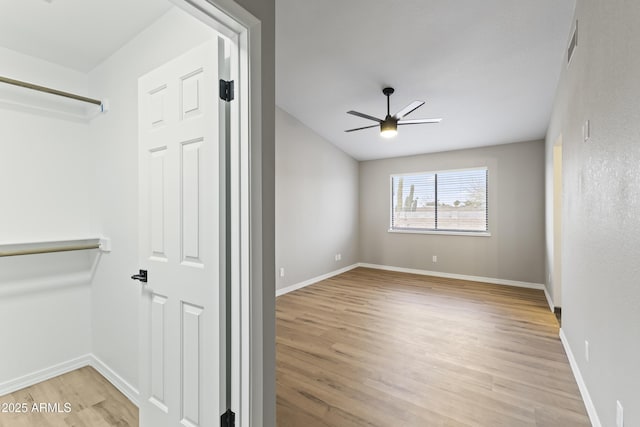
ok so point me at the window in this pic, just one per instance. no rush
(454, 201)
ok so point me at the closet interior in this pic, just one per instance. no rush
(69, 172)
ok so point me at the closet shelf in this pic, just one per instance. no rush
(51, 102)
(44, 247)
(50, 90)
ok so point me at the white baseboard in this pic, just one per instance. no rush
(491, 280)
(455, 276)
(314, 280)
(116, 380)
(549, 300)
(588, 403)
(68, 366)
(44, 374)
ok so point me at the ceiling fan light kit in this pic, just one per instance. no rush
(388, 129)
(389, 126)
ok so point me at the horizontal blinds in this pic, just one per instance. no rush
(461, 201)
(414, 201)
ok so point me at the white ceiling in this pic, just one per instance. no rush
(77, 34)
(488, 68)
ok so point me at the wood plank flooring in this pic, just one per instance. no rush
(92, 402)
(376, 348)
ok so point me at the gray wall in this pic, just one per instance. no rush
(515, 249)
(601, 224)
(316, 203)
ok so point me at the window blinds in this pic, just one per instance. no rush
(444, 201)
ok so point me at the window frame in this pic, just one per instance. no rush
(479, 233)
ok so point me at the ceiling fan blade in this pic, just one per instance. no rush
(418, 121)
(364, 116)
(366, 127)
(408, 109)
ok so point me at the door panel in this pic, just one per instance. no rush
(157, 158)
(191, 339)
(182, 340)
(157, 393)
(191, 201)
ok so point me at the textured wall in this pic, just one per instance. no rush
(515, 249)
(601, 225)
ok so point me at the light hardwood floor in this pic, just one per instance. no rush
(93, 401)
(376, 348)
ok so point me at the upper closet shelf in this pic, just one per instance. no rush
(65, 104)
(44, 247)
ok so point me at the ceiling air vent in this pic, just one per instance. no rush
(572, 44)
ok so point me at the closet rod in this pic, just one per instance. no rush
(49, 90)
(49, 250)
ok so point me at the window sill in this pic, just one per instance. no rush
(444, 232)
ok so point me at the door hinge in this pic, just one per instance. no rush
(226, 90)
(228, 419)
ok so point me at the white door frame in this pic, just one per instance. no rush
(244, 30)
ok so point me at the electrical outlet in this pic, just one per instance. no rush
(434, 258)
(586, 350)
(281, 271)
(619, 414)
(335, 257)
(338, 257)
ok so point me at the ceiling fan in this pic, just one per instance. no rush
(389, 126)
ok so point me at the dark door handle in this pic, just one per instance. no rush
(142, 276)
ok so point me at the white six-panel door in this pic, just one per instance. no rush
(182, 312)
